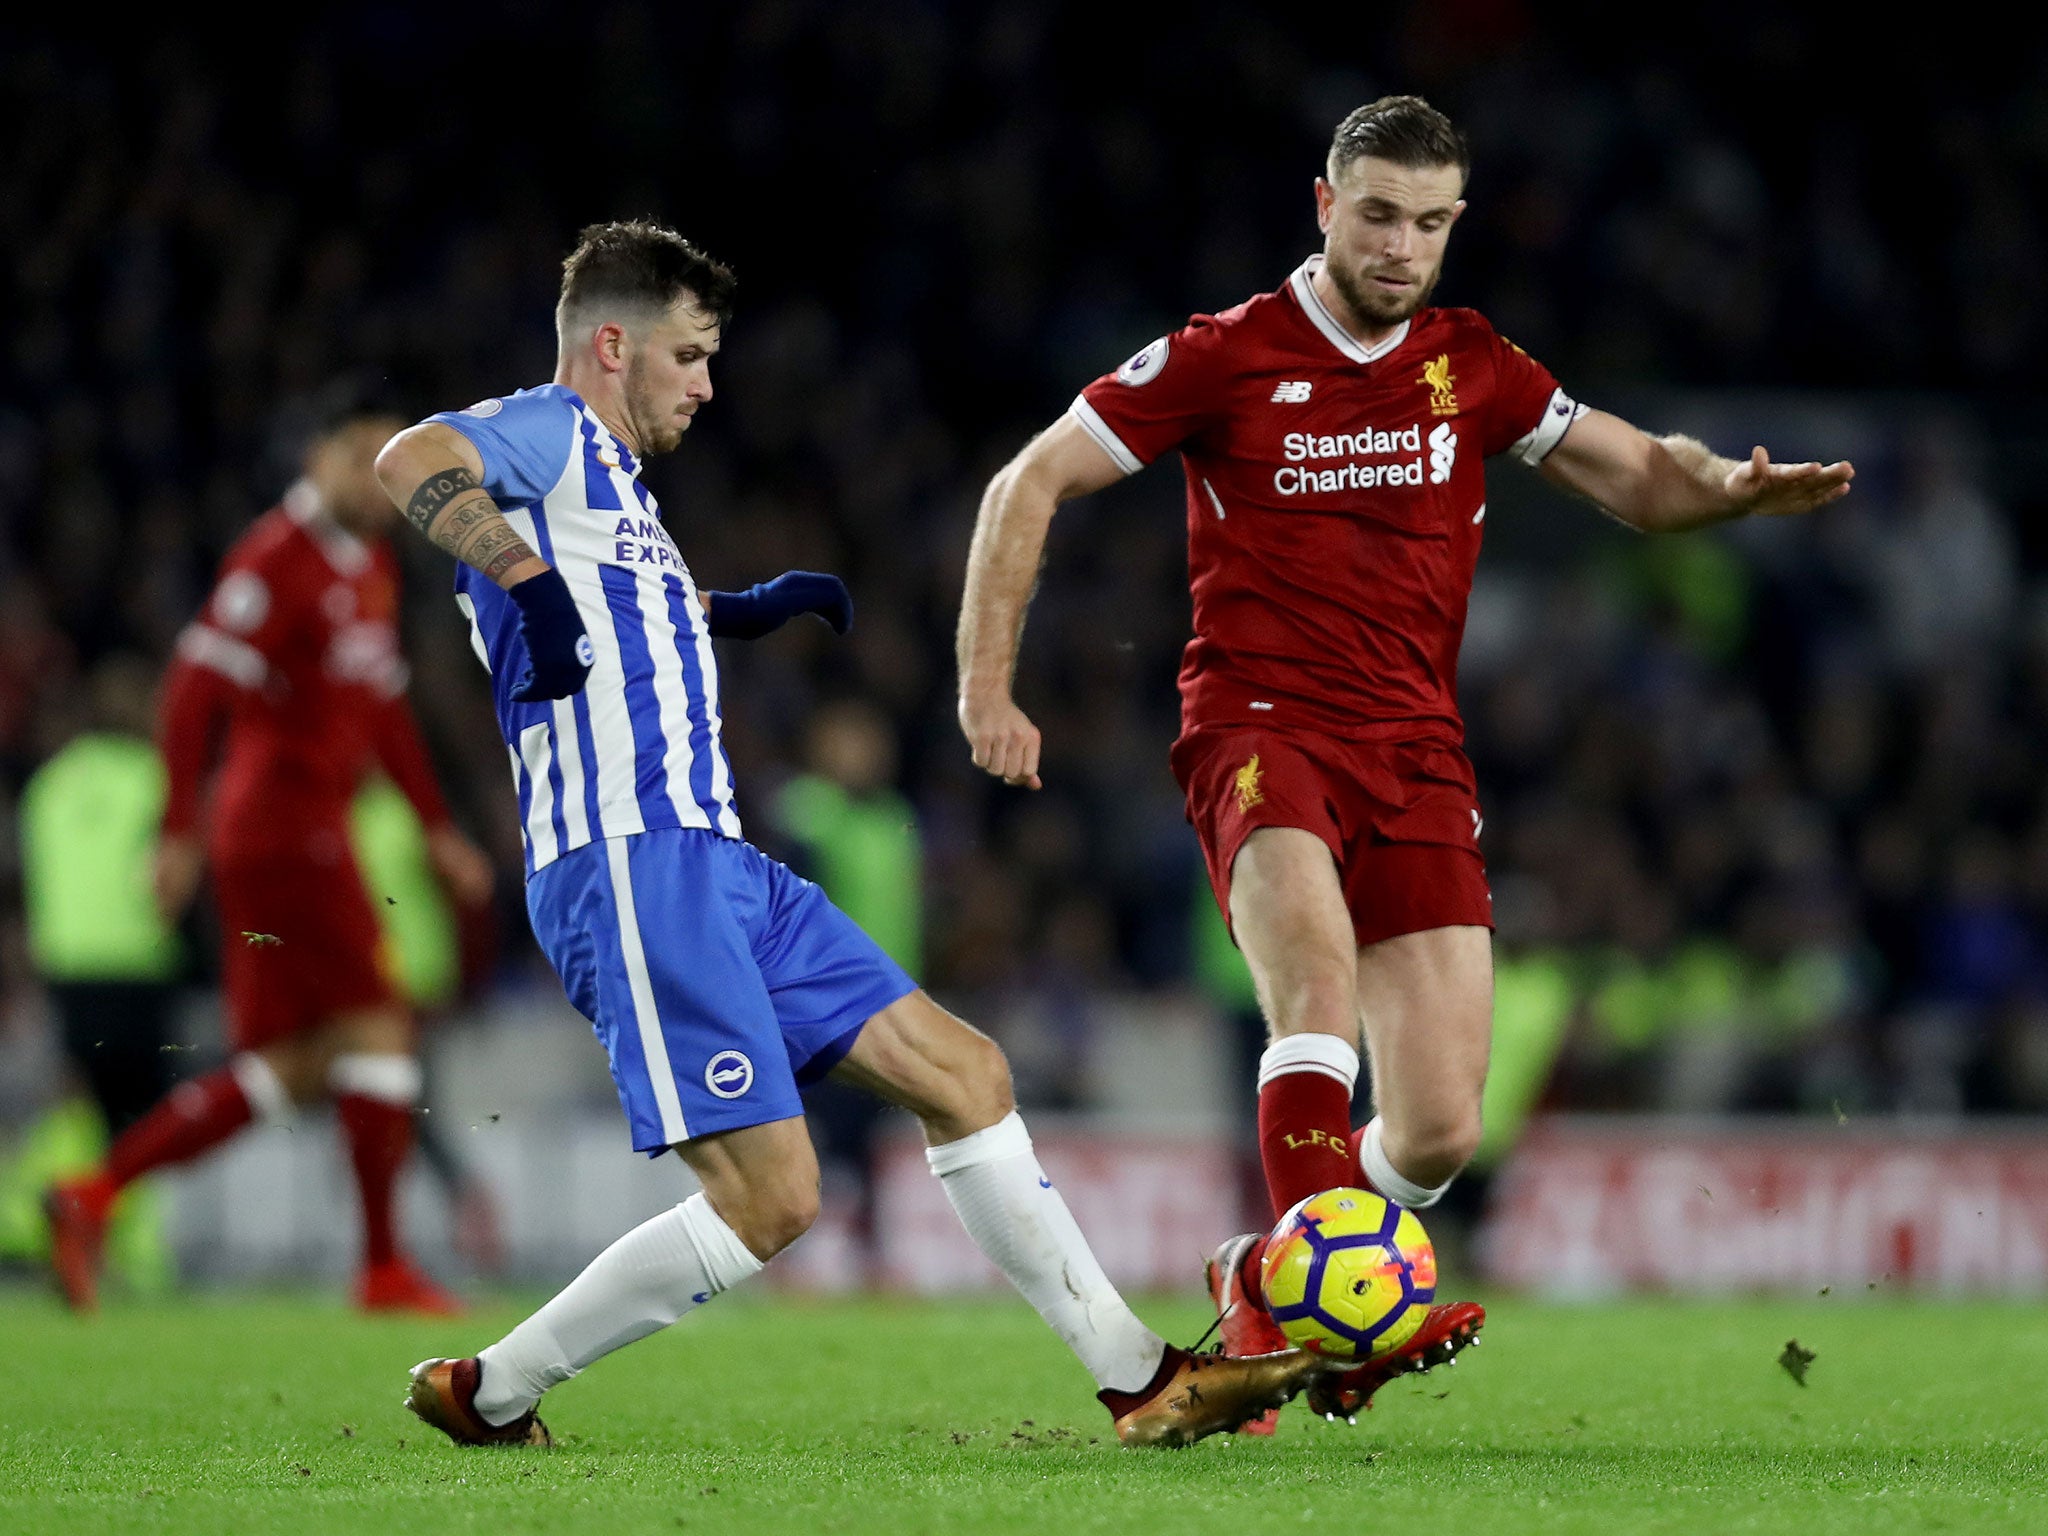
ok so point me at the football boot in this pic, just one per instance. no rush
(443, 1393)
(396, 1286)
(1192, 1396)
(1242, 1324)
(78, 1230)
(1446, 1329)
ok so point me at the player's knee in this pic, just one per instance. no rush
(774, 1218)
(979, 1091)
(1441, 1146)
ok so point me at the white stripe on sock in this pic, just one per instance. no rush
(261, 1086)
(387, 1078)
(1310, 1052)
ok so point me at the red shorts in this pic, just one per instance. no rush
(300, 943)
(1400, 818)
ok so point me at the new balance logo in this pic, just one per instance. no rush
(1291, 391)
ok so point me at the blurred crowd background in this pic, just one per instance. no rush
(1765, 807)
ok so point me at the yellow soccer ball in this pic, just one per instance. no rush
(1349, 1275)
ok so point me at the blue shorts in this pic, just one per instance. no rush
(717, 979)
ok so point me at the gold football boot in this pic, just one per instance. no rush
(1193, 1396)
(443, 1392)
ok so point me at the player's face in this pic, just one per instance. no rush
(343, 465)
(1385, 227)
(668, 375)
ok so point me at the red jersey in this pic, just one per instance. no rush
(1336, 497)
(298, 649)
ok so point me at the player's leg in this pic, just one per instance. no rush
(644, 933)
(194, 1117)
(1288, 912)
(1425, 980)
(957, 1082)
(1426, 1002)
(367, 1067)
(760, 1195)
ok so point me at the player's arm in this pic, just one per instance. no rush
(768, 605)
(1671, 484)
(196, 701)
(436, 477)
(1003, 561)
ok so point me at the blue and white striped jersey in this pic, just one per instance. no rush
(639, 747)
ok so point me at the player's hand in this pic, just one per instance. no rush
(463, 869)
(1002, 738)
(765, 608)
(174, 877)
(1764, 489)
(559, 654)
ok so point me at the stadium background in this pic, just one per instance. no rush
(1766, 815)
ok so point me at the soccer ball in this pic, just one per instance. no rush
(1349, 1275)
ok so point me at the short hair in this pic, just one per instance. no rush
(1403, 129)
(637, 264)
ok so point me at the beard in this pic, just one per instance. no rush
(1374, 304)
(660, 431)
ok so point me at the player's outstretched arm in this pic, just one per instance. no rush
(1670, 484)
(1062, 462)
(436, 476)
(766, 606)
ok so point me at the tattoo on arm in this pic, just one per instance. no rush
(496, 550)
(453, 510)
(435, 492)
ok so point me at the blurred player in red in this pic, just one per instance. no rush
(1334, 433)
(296, 657)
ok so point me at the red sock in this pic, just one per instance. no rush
(379, 1135)
(1304, 1118)
(185, 1122)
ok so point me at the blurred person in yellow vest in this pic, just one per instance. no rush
(109, 961)
(858, 837)
(845, 826)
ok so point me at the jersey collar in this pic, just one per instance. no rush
(349, 555)
(1312, 305)
(611, 453)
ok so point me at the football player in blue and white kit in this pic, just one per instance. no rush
(717, 980)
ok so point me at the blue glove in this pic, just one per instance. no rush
(558, 650)
(762, 609)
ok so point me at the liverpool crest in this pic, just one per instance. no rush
(1443, 400)
(1246, 785)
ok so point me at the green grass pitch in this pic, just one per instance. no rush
(254, 1414)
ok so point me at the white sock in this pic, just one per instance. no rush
(1310, 1052)
(1018, 1219)
(380, 1075)
(260, 1085)
(1372, 1158)
(646, 1280)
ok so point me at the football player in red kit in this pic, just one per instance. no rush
(1334, 433)
(295, 657)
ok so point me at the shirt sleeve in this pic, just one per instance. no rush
(196, 703)
(523, 439)
(1165, 395)
(1529, 413)
(249, 621)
